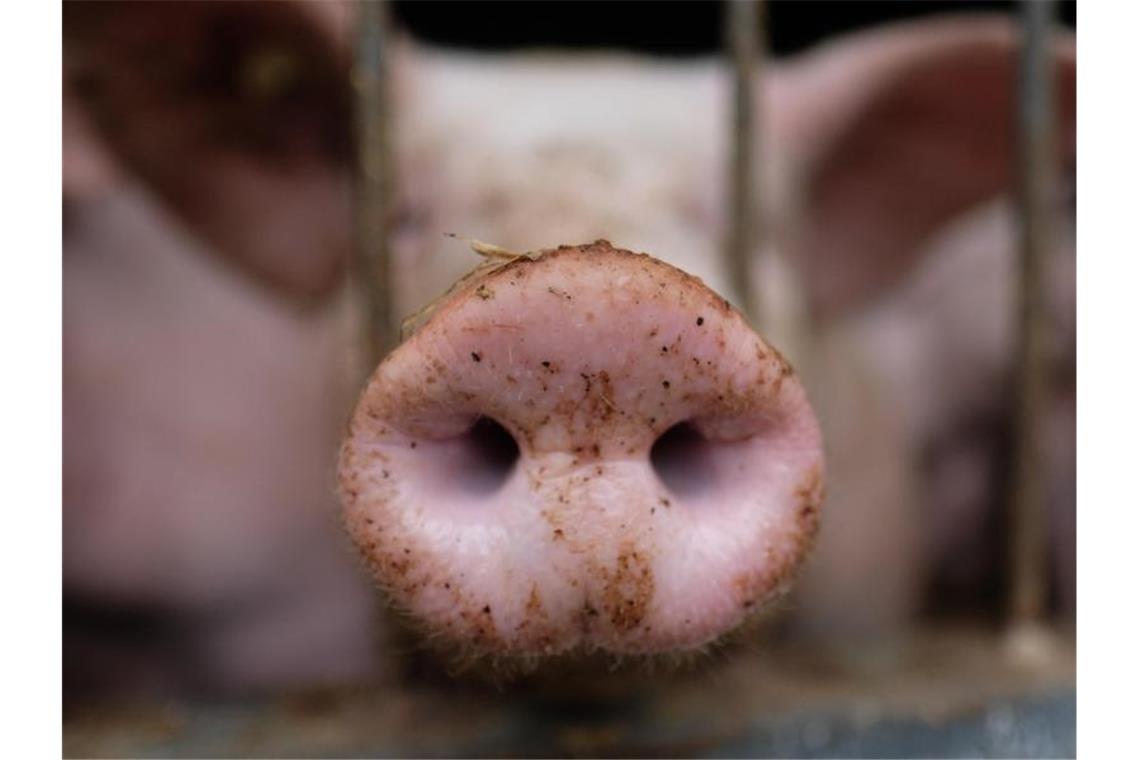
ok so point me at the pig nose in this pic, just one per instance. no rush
(584, 450)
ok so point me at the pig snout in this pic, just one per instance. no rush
(584, 449)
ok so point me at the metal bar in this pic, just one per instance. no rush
(374, 182)
(1037, 173)
(744, 33)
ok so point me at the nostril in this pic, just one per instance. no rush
(681, 458)
(491, 456)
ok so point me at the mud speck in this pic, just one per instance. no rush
(628, 589)
(809, 498)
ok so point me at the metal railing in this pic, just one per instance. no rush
(1036, 182)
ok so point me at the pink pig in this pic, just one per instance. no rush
(210, 357)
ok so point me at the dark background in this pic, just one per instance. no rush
(663, 28)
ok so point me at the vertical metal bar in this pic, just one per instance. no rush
(744, 25)
(1028, 536)
(373, 190)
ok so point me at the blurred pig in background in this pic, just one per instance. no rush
(206, 381)
(209, 343)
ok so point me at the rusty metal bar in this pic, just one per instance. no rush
(374, 178)
(1037, 173)
(744, 26)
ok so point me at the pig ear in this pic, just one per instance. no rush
(894, 132)
(237, 116)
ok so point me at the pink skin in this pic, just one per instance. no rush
(586, 355)
(198, 443)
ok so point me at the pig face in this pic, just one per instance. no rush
(884, 152)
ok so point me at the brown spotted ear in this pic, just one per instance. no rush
(895, 131)
(237, 115)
